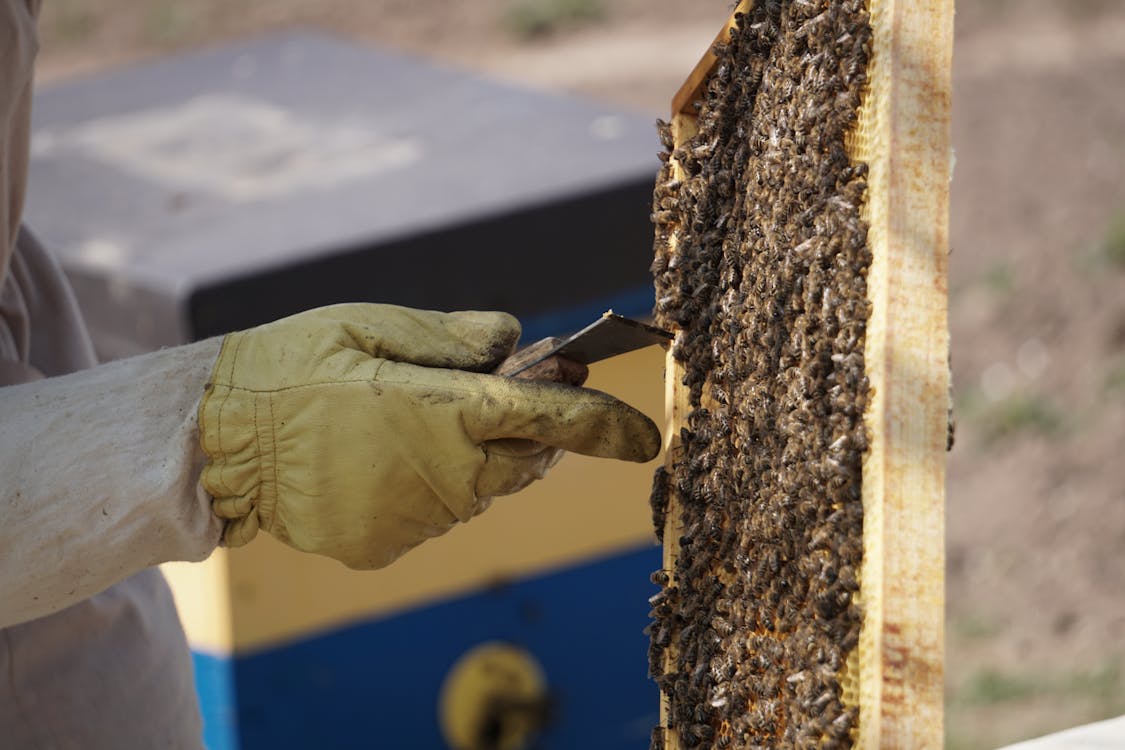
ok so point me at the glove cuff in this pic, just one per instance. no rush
(236, 433)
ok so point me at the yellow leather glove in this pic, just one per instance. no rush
(359, 431)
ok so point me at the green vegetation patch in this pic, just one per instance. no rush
(1113, 244)
(536, 18)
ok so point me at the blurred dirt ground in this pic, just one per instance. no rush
(1036, 510)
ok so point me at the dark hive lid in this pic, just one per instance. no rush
(185, 173)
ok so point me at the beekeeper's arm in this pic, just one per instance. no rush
(354, 431)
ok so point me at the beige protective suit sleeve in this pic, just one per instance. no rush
(99, 469)
(112, 670)
(100, 478)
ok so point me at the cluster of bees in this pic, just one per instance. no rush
(761, 263)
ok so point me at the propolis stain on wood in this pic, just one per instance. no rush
(761, 264)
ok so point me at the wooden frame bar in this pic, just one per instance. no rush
(904, 136)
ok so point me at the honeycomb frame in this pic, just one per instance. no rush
(902, 134)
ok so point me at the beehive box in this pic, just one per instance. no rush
(801, 244)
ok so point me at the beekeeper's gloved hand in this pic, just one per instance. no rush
(359, 431)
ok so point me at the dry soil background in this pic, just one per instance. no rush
(1036, 514)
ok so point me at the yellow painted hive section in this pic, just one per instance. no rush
(801, 593)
